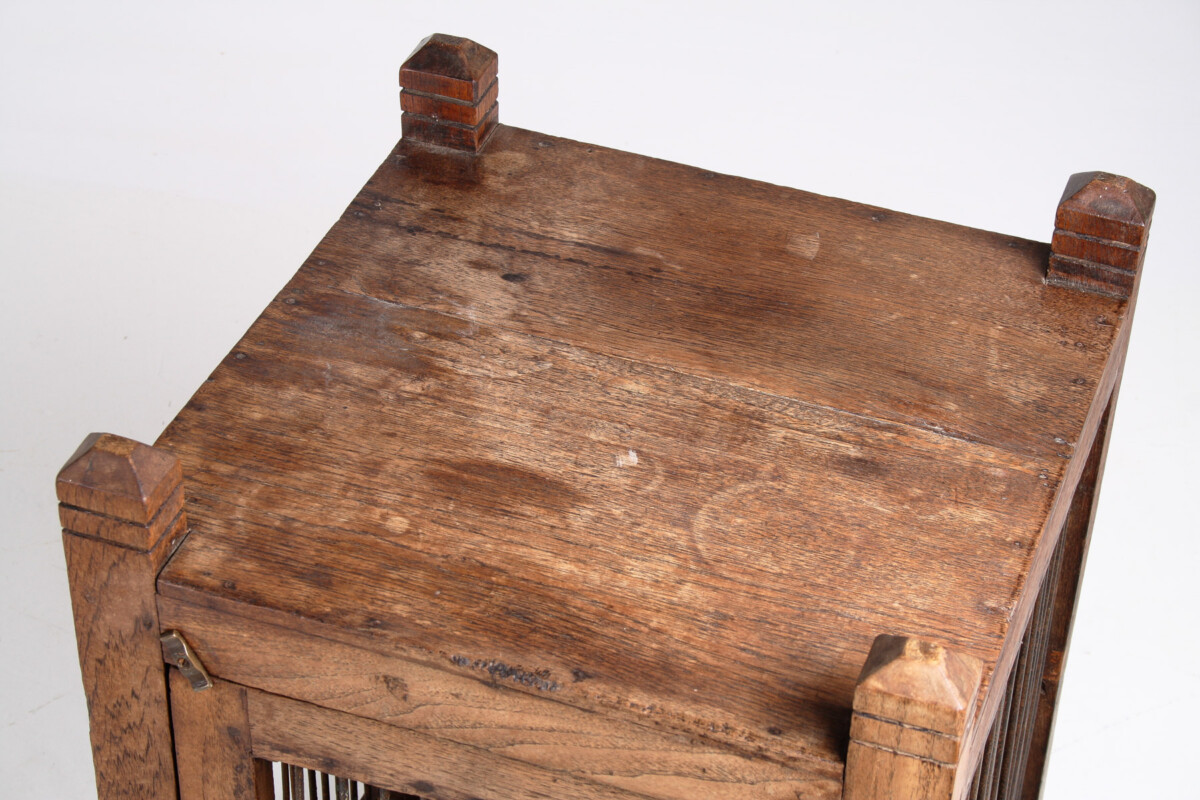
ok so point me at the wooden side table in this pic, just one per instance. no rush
(562, 472)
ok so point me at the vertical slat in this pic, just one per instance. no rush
(297, 781)
(212, 743)
(1000, 734)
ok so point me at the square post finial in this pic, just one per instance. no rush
(1100, 232)
(449, 89)
(912, 705)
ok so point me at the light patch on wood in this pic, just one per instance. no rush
(627, 459)
(804, 245)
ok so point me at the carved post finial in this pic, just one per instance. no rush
(1100, 232)
(911, 708)
(449, 93)
(120, 491)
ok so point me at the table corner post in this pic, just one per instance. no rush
(121, 508)
(449, 87)
(912, 704)
(1101, 227)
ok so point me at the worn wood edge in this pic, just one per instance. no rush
(543, 732)
(992, 693)
(294, 732)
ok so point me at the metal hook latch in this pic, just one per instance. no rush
(178, 653)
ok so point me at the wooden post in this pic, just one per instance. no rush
(911, 708)
(121, 506)
(1100, 232)
(212, 744)
(449, 93)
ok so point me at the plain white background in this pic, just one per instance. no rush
(166, 166)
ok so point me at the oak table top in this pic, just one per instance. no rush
(642, 439)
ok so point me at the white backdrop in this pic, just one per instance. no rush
(164, 167)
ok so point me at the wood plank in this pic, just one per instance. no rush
(683, 544)
(835, 303)
(401, 760)
(480, 712)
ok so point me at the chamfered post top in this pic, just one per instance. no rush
(1106, 206)
(449, 93)
(118, 477)
(451, 67)
(1100, 231)
(918, 683)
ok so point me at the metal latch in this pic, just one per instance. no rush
(178, 653)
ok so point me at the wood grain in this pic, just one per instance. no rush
(482, 712)
(121, 512)
(1048, 538)
(212, 744)
(658, 445)
(502, 520)
(1100, 232)
(406, 761)
(449, 94)
(842, 305)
